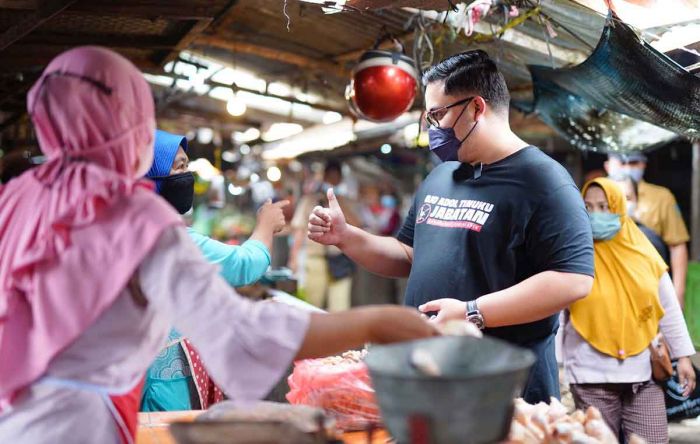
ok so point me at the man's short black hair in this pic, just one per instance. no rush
(471, 72)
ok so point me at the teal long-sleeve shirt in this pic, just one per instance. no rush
(169, 383)
(240, 264)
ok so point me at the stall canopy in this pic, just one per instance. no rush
(627, 75)
(258, 71)
(587, 126)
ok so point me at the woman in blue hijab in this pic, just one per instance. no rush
(176, 380)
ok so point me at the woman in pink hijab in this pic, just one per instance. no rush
(87, 253)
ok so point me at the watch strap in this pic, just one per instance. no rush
(472, 308)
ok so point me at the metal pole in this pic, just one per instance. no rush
(695, 205)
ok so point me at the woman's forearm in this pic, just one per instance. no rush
(672, 324)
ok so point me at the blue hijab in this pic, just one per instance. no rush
(165, 149)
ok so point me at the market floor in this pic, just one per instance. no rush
(684, 432)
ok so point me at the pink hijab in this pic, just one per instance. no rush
(74, 230)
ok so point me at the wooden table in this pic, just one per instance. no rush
(153, 429)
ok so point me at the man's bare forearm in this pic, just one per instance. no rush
(382, 255)
(533, 299)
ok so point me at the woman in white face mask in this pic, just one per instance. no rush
(607, 334)
(630, 166)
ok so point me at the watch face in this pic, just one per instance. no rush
(477, 320)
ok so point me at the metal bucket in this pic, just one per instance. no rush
(470, 402)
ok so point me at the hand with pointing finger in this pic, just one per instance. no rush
(327, 226)
(270, 221)
(271, 216)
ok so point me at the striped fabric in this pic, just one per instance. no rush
(627, 408)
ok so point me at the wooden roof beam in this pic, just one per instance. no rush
(318, 106)
(111, 41)
(265, 52)
(355, 54)
(366, 5)
(226, 18)
(46, 10)
(290, 99)
(175, 111)
(171, 9)
(194, 31)
(514, 36)
(15, 63)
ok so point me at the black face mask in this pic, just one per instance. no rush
(178, 189)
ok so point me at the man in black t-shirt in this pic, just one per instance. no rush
(498, 234)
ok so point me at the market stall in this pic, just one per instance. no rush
(267, 92)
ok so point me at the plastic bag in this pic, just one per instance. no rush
(339, 385)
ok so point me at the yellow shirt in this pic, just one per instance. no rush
(658, 210)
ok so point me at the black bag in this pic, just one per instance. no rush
(678, 406)
(340, 266)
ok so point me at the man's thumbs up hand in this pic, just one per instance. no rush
(327, 225)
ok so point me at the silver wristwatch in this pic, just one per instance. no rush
(474, 315)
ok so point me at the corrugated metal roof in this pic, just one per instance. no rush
(146, 32)
(149, 32)
(311, 32)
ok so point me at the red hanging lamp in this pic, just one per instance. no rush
(383, 85)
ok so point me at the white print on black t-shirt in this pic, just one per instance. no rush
(454, 213)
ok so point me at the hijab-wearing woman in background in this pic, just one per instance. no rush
(95, 270)
(631, 190)
(177, 380)
(240, 264)
(608, 333)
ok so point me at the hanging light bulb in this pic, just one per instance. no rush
(236, 106)
(230, 156)
(235, 190)
(205, 135)
(331, 117)
(246, 136)
(274, 174)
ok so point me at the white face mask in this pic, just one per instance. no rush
(623, 172)
(636, 174)
(631, 208)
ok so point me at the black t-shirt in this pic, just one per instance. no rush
(477, 232)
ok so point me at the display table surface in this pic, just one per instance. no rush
(153, 429)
